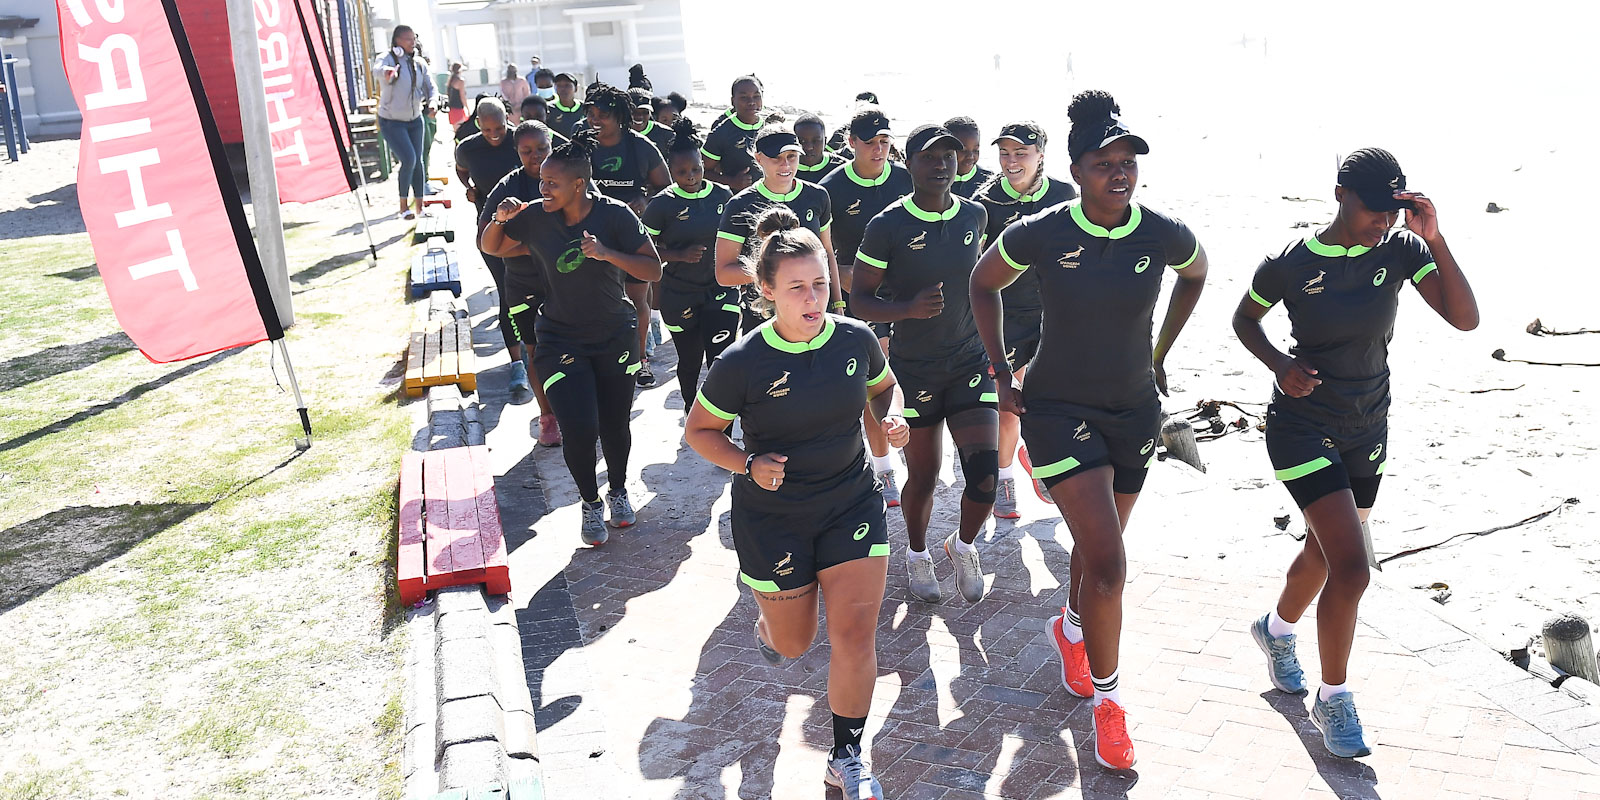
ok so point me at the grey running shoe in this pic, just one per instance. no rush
(1005, 499)
(621, 508)
(891, 490)
(1341, 728)
(645, 378)
(969, 573)
(924, 586)
(852, 776)
(1283, 667)
(772, 656)
(519, 378)
(594, 524)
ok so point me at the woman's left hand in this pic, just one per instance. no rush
(592, 248)
(1161, 377)
(1423, 220)
(896, 430)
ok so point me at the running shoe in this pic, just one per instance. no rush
(645, 378)
(594, 524)
(891, 491)
(969, 573)
(1038, 485)
(852, 776)
(1283, 667)
(519, 378)
(1005, 499)
(549, 431)
(924, 586)
(772, 656)
(1341, 728)
(621, 508)
(1112, 746)
(1074, 659)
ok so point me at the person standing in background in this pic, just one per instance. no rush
(544, 84)
(513, 89)
(403, 90)
(455, 88)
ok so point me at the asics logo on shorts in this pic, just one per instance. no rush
(1314, 286)
(722, 336)
(1070, 260)
(850, 368)
(861, 531)
(611, 164)
(973, 384)
(1377, 280)
(1081, 433)
(782, 567)
(1144, 264)
(1376, 451)
(854, 209)
(623, 359)
(1148, 446)
(923, 396)
(683, 213)
(919, 241)
(774, 390)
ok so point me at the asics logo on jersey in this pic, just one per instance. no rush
(809, 212)
(1314, 286)
(774, 390)
(1144, 264)
(722, 336)
(683, 213)
(1081, 433)
(850, 368)
(1148, 446)
(923, 396)
(1376, 451)
(719, 209)
(967, 240)
(1377, 280)
(861, 532)
(782, 567)
(570, 260)
(1070, 260)
(854, 208)
(919, 241)
(566, 358)
(611, 164)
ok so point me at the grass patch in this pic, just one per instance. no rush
(35, 783)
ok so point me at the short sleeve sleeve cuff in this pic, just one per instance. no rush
(716, 412)
(1192, 256)
(1000, 244)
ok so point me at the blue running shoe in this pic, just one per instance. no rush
(1341, 728)
(1283, 667)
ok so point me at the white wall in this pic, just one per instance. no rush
(47, 106)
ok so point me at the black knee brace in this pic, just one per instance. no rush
(980, 468)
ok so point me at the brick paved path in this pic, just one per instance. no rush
(642, 666)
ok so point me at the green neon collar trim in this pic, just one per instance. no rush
(770, 334)
(1005, 183)
(648, 127)
(733, 116)
(705, 189)
(1134, 216)
(850, 170)
(779, 198)
(1334, 250)
(933, 216)
(575, 105)
(972, 173)
(824, 163)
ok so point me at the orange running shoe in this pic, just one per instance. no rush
(1112, 747)
(1038, 485)
(1074, 660)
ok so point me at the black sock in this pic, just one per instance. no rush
(847, 732)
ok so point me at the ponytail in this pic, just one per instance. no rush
(779, 236)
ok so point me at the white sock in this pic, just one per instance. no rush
(1327, 692)
(1278, 626)
(883, 463)
(1107, 688)
(963, 547)
(1008, 472)
(920, 555)
(1071, 625)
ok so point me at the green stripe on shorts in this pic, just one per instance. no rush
(909, 413)
(878, 550)
(634, 367)
(760, 586)
(1051, 470)
(989, 397)
(553, 378)
(1302, 470)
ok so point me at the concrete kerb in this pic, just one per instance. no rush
(469, 713)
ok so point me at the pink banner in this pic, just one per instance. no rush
(163, 215)
(327, 78)
(304, 150)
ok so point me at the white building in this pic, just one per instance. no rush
(597, 39)
(30, 34)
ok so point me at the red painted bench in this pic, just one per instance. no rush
(449, 524)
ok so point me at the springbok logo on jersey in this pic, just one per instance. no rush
(1144, 264)
(1070, 260)
(1081, 433)
(683, 213)
(850, 368)
(722, 336)
(1377, 280)
(1015, 215)
(782, 567)
(854, 208)
(919, 241)
(775, 391)
(1314, 286)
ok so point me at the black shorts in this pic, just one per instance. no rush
(559, 359)
(784, 549)
(882, 330)
(1022, 337)
(688, 310)
(933, 393)
(1065, 439)
(521, 300)
(1315, 459)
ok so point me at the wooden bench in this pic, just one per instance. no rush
(450, 531)
(436, 200)
(429, 226)
(441, 354)
(435, 269)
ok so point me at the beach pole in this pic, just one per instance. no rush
(1570, 648)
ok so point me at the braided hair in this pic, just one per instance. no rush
(779, 236)
(1038, 178)
(576, 152)
(685, 137)
(611, 101)
(961, 126)
(1370, 161)
(1088, 109)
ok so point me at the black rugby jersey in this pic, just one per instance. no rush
(802, 400)
(622, 171)
(728, 133)
(968, 185)
(519, 184)
(679, 219)
(1006, 206)
(807, 200)
(485, 163)
(585, 301)
(830, 162)
(565, 121)
(1342, 304)
(1099, 289)
(659, 135)
(917, 249)
(857, 200)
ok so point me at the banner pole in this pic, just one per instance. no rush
(372, 247)
(258, 155)
(299, 402)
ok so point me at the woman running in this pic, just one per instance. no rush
(922, 249)
(969, 176)
(860, 190)
(701, 316)
(644, 121)
(736, 129)
(585, 244)
(517, 280)
(404, 87)
(1019, 189)
(778, 155)
(1090, 410)
(816, 160)
(1327, 427)
(807, 515)
(566, 111)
